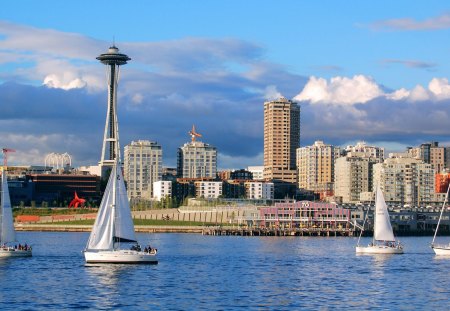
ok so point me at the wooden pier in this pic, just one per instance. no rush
(278, 232)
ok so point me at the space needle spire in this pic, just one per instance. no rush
(111, 148)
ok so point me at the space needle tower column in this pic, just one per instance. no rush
(111, 148)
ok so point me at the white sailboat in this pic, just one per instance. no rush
(437, 248)
(383, 236)
(113, 228)
(7, 231)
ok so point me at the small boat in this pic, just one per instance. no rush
(438, 248)
(113, 230)
(383, 236)
(7, 231)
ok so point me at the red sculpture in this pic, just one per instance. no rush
(76, 201)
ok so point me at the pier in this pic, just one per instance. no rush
(278, 232)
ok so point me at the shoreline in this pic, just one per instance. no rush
(215, 230)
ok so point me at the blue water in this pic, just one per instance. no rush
(198, 272)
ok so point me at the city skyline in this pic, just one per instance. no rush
(377, 73)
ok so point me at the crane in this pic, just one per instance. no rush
(5, 155)
(194, 134)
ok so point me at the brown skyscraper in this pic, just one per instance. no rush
(281, 140)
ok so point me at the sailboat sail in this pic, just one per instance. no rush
(123, 227)
(383, 228)
(114, 222)
(7, 232)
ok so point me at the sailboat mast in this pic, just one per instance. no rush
(440, 216)
(113, 205)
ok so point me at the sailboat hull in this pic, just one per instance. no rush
(379, 249)
(441, 250)
(120, 257)
(12, 252)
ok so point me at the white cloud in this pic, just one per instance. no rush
(271, 93)
(361, 89)
(340, 90)
(65, 82)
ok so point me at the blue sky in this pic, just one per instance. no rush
(373, 71)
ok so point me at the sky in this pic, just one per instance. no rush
(373, 71)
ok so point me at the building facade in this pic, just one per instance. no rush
(257, 171)
(259, 190)
(406, 181)
(281, 140)
(353, 176)
(208, 189)
(197, 160)
(315, 166)
(371, 151)
(162, 189)
(142, 167)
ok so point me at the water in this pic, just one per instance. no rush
(198, 272)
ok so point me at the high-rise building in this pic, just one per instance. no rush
(405, 181)
(142, 167)
(162, 189)
(431, 153)
(353, 176)
(196, 159)
(316, 167)
(281, 140)
(362, 147)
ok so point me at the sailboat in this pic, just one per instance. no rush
(7, 232)
(441, 249)
(383, 236)
(113, 229)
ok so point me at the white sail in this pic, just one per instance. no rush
(114, 222)
(123, 226)
(383, 229)
(102, 232)
(7, 232)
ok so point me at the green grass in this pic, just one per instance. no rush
(52, 211)
(139, 222)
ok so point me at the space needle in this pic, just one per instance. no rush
(111, 148)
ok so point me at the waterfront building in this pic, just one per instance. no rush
(362, 147)
(259, 190)
(353, 175)
(281, 140)
(304, 214)
(257, 171)
(208, 189)
(315, 166)
(162, 189)
(196, 159)
(142, 167)
(405, 181)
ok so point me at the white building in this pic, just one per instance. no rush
(208, 189)
(362, 147)
(405, 181)
(257, 171)
(162, 189)
(259, 190)
(142, 167)
(196, 160)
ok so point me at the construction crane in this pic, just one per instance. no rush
(5, 155)
(194, 134)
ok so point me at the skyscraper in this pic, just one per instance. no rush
(142, 167)
(316, 167)
(196, 159)
(281, 140)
